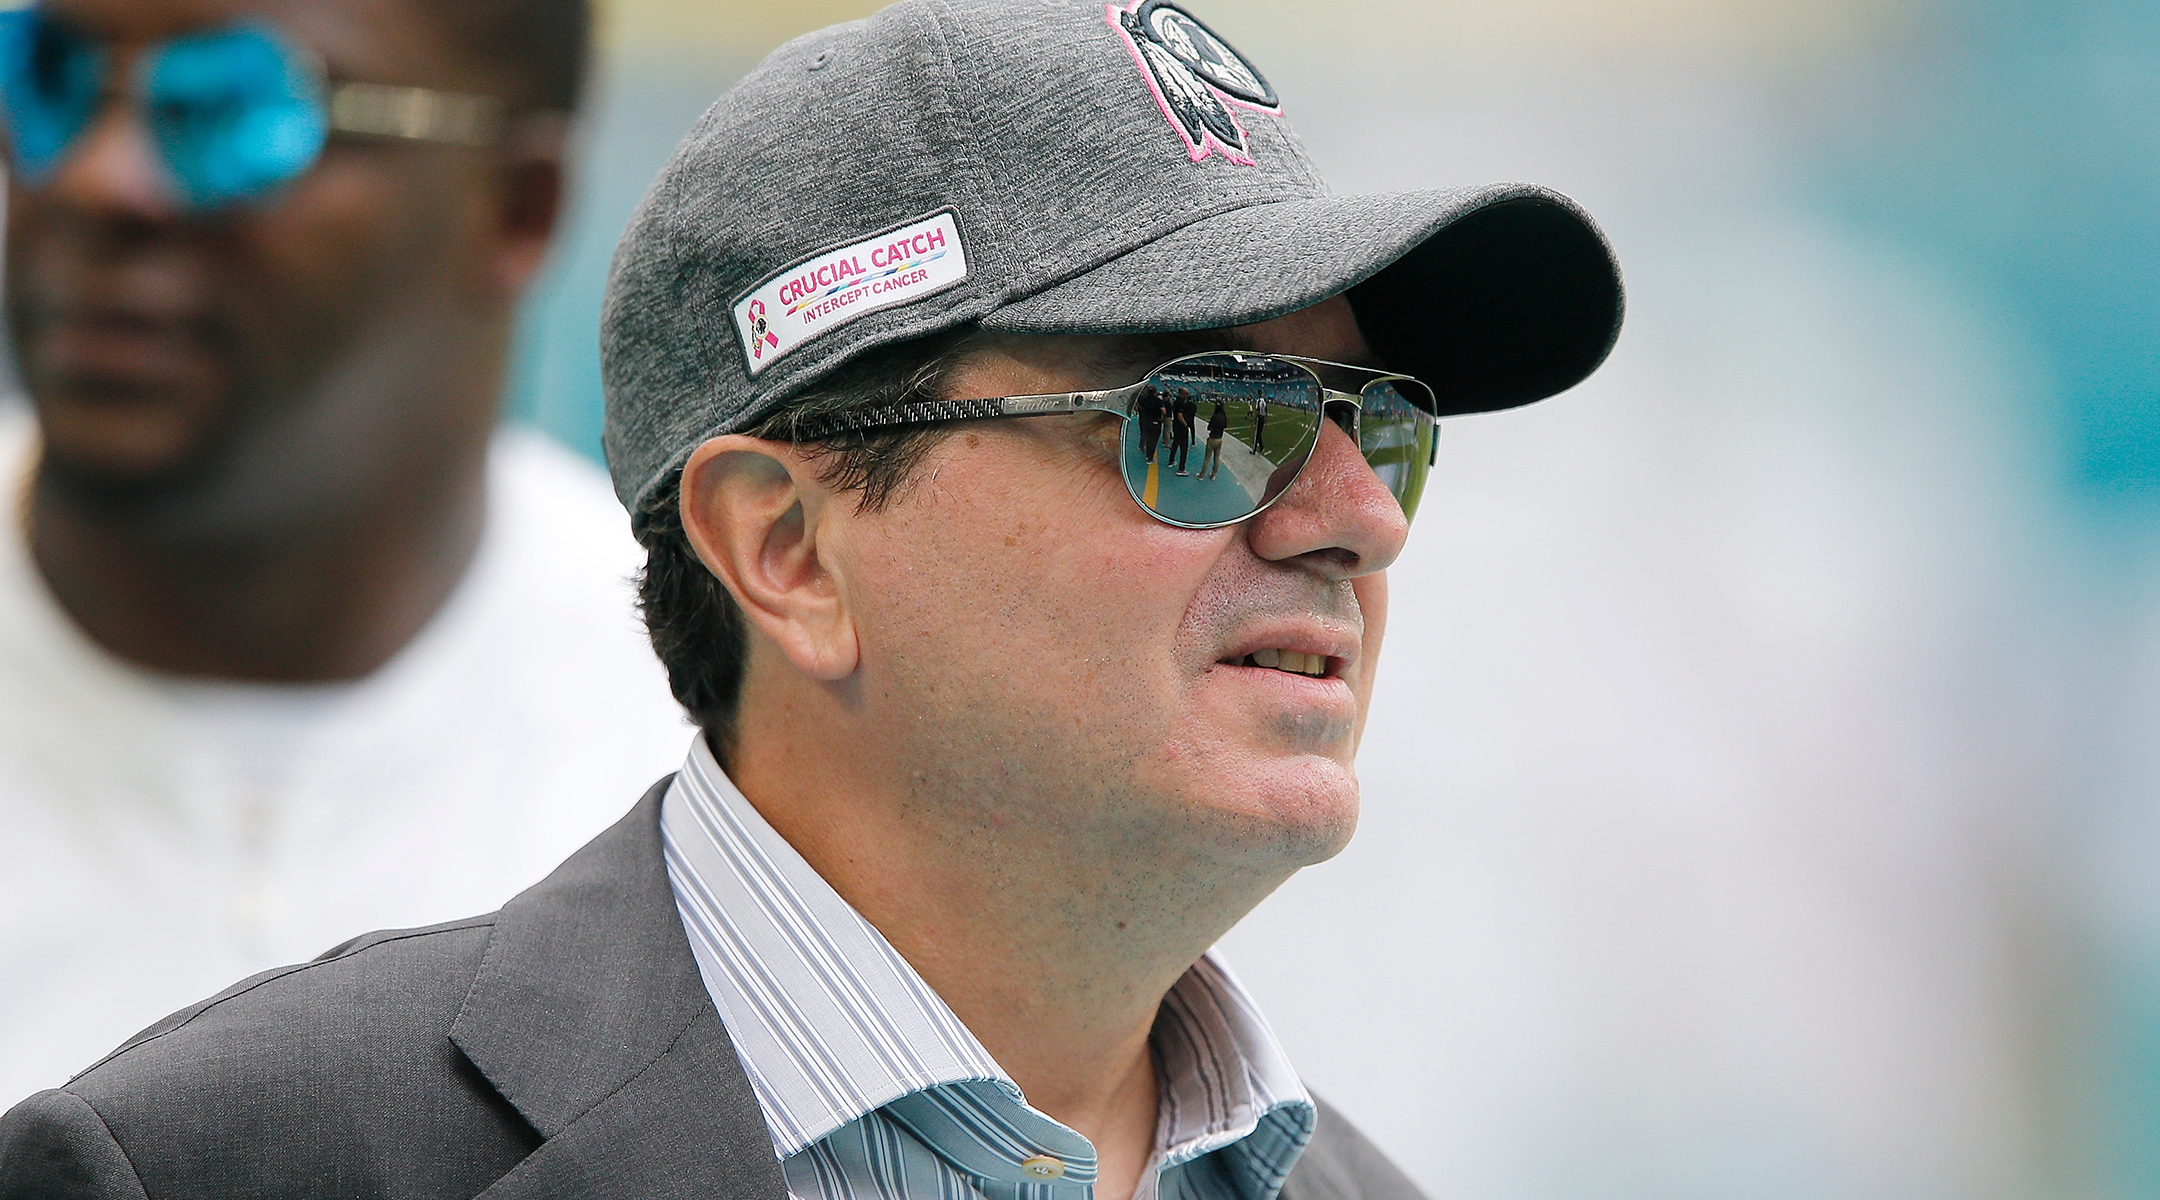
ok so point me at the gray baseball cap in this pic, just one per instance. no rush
(1050, 166)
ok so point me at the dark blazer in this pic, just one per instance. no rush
(564, 1046)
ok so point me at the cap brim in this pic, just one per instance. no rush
(1495, 296)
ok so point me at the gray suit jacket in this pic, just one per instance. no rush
(564, 1046)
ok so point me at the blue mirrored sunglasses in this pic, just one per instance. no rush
(1258, 415)
(235, 112)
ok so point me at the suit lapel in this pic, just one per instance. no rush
(589, 1016)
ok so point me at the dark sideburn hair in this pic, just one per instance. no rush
(542, 46)
(695, 626)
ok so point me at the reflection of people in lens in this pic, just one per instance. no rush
(1259, 427)
(1182, 414)
(1151, 407)
(1211, 462)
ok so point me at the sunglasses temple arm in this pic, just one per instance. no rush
(414, 114)
(1112, 400)
(930, 412)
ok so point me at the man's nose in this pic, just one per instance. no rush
(112, 168)
(1338, 516)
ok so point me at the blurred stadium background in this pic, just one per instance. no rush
(1762, 799)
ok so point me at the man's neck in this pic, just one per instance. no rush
(1056, 958)
(321, 600)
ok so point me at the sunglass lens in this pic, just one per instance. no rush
(236, 113)
(50, 77)
(1216, 437)
(1398, 436)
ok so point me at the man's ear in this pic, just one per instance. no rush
(531, 184)
(755, 511)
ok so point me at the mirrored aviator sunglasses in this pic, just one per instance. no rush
(1213, 439)
(235, 112)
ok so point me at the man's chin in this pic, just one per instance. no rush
(1277, 811)
(114, 458)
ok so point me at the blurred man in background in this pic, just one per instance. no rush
(292, 641)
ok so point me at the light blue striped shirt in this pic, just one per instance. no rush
(874, 1090)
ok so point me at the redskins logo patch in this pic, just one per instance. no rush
(1197, 78)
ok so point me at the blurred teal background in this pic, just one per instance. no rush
(1763, 797)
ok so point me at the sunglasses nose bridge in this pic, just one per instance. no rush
(112, 162)
(105, 156)
(1346, 409)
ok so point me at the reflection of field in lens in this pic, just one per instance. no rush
(1271, 410)
(1397, 440)
(1399, 455)
(1246, 477)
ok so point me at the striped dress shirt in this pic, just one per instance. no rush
(874, 1090)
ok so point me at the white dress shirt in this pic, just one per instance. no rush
(874, 1090)
(161, 838)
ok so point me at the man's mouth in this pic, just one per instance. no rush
(115, 343)
(1295, 662)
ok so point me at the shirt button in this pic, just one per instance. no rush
(1042, 1166)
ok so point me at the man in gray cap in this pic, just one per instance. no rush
(1003, 725)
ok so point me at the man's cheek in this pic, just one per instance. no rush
(1372, 597)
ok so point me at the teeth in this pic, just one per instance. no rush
(1294, 661)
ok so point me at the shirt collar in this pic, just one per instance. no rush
(832, 1024)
